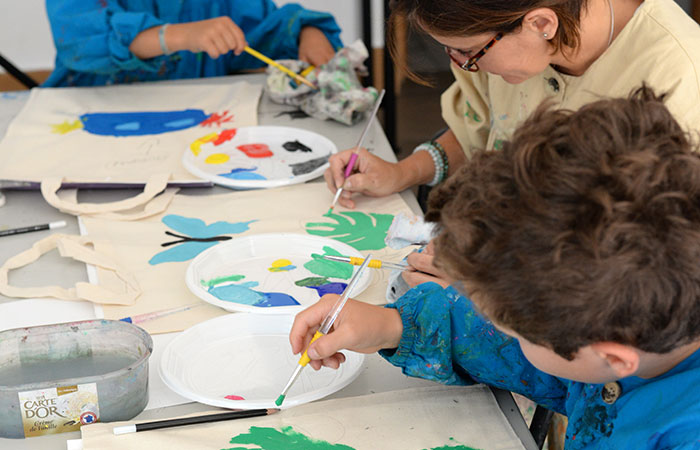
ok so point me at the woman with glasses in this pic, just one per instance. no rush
(509, 56)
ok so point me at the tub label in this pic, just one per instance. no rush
(59, 409)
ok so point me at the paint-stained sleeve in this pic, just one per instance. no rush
(444, 339)
(465, 109)
(277, 32)
(94, 36)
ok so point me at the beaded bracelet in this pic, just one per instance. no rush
(161, 39)
(439, 157)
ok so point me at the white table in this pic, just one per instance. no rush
(28, 208)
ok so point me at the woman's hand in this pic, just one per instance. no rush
(216, 36)
(314, 46)
(374, 176)
(359, 327)
(421, 268)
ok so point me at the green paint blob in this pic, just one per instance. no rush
(453, 447)
(279, 400)
(360, 230)
(312, 281)
(218, 280)
(326, 268)
(285, 439)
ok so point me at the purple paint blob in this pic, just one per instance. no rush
(329, 288)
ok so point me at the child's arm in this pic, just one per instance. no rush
(216, 37)
(444, 339)
(95, 39)
(359, 327)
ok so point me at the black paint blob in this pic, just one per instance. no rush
(293, 146)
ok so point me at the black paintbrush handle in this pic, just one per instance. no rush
(201, 419)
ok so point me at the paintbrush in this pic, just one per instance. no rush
(135, 428)
(157, 314)
(324, 329)
(353, 158)
(374, 264)
(273, 63)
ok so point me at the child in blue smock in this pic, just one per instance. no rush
(579, 247)
(120, 41)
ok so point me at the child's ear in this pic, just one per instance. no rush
(623, 360)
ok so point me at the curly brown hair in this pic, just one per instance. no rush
(585, 228)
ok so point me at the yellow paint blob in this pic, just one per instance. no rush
(217, 158)
(196, 146)
(280, 265)
(66, 127)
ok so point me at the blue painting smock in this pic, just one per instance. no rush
(446, 340)
(92, 37)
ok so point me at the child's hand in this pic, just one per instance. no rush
(359, 327)
(374, 176)
(422, 269)
(314, 47)
(216, 36)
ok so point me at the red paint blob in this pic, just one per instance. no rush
(224, 136)
(234, 397)
(216, 119)
(255, 150)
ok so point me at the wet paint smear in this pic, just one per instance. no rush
(243, 174)
(293, 146)
(281, 265)
(217, 158)
(234, 397)
(224, 279)
(244, 295)
(255, 150)
(66, 127)
(360, 230)
(283, 439)
(309, 166)
(312, 281)
(215, 138)
(453, 447)
(141, 123)
(326, 268)
(217, 119)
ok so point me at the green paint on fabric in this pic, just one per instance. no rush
(498, 144)
(219, 280)
(360, 230)
(312, 281)
(453, 447)
(471, 113)
(284, 439)
(326, 268)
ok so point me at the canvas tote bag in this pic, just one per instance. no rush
(160, 271)
(119, 134)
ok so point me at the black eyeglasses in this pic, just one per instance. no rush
(469, 64)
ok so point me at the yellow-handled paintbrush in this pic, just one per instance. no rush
(273, 63)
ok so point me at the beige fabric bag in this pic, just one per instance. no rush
(137, 244)
(124, 291)
(410, 419)
(119, 134)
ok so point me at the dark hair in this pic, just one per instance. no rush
(472, 17)
(585, 228)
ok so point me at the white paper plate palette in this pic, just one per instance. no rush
(259, 157)
(273, 273)
(244, 361)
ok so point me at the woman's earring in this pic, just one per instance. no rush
(545, 35)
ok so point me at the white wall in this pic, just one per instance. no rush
(25, 36)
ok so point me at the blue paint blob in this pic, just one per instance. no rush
(244, 295)
(180, 124)
(243, 174)
(277, 299)
(128, 126)
(330, 288)
(141, 123)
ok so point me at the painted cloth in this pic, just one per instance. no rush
(660, 46)
(92, 38)
(444, 339)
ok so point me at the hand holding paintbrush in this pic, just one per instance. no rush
(353, 158)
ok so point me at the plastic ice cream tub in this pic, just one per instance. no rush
(55, 378)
